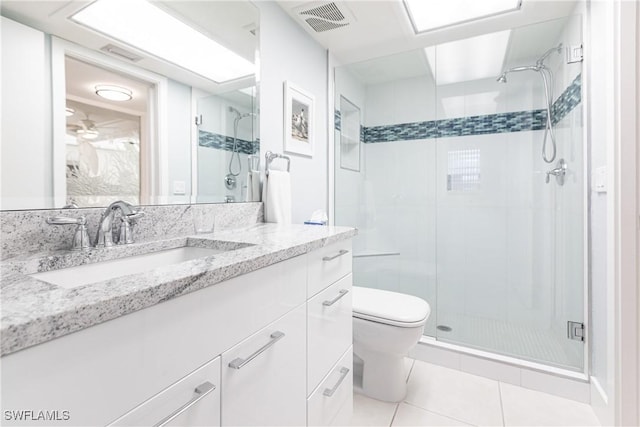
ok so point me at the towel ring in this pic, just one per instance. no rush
(271, 156)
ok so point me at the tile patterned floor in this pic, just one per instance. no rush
(439, 396)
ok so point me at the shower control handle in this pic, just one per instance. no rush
(560, 171)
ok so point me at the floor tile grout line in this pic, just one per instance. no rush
(411, 369)
(504, 422)
(437, 413)
(394, 414)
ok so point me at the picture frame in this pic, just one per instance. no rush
(299, 113)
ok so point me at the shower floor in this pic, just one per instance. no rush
(546, 346)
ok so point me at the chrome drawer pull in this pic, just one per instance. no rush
(343, 374)
(239, 362)
(201, 391)
(342, 293)
(340, 253)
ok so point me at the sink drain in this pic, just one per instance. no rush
(444, 328)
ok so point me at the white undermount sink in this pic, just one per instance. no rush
(81, 275)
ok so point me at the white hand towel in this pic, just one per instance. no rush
(253, 187)
(276, 195)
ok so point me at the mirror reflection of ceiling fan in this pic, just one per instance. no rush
(88, 129)
(85, 128)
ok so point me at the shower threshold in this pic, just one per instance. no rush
(427, 341)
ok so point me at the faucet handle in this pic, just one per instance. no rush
(80, 237)
(126, 232)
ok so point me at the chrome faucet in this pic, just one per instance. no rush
(104, 237)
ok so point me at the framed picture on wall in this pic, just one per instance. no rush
(299, 110)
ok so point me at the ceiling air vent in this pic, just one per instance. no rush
(325, 16)
(121, 53)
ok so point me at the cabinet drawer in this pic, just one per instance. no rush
(328, 264)
(332, 401)
(192, 401)
(329, 316)
(263, 377)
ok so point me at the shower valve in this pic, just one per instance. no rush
(559, 172)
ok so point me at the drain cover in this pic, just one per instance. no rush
(444, 328)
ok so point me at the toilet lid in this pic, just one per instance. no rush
(391, 308)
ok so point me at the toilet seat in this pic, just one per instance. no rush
(390, 308)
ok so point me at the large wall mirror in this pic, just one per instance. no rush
(147, 102)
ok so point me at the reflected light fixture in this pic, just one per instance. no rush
(152, 30)
(436, 14)
(114, 93)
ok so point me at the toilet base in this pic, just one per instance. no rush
(383, 375)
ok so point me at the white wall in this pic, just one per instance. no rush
(288, 53)
(25, 152)
(179, 140)
(601, 127)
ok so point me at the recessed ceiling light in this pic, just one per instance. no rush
(152, 30)
(70, 111)
(469, 59)
(434, 14)
(113, 93)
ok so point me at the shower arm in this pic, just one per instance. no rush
(540, 61)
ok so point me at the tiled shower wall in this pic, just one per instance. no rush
(215, 148)
(497, 251)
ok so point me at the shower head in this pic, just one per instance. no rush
(240, 115)
(502, 78)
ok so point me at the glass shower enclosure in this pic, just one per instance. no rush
(451, 193)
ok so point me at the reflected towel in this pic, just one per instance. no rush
(276, 195)
(253, 187)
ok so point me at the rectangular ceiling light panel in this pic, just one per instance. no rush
(152, 30)
(474, 58)
(428, 15)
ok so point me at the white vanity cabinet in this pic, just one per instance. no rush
(329, 332)
(263, 377)
(234, 353)
(192, 401)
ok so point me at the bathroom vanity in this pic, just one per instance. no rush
(258, 333)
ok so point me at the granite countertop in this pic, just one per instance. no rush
(34, 311)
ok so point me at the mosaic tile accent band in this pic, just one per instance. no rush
(518, 121)
(222, 142)
(570, 98)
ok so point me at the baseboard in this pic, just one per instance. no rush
(601, 404)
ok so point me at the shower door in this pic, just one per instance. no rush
(510, 234)
(448, 188)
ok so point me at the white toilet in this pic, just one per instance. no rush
(386, 325)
